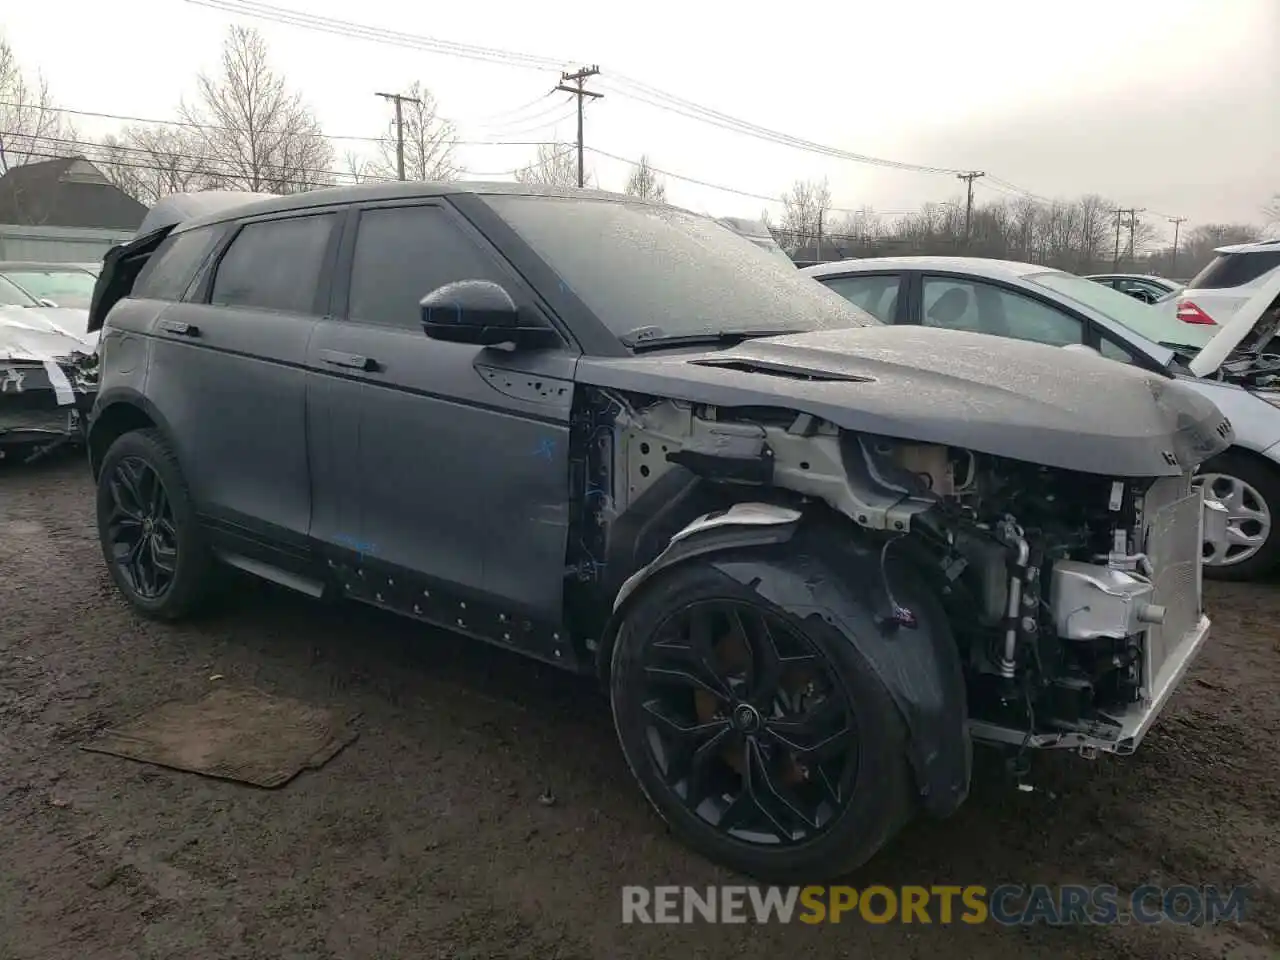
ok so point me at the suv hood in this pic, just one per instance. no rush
(1026, 401)
(1254, 321)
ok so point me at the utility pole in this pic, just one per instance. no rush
(818, 249)
(1115, 259)
(580, 91)
(1177, 222)
(971, 176)
(1133, 224)
(400, 100)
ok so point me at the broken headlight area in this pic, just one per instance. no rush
(1074, 599)
(44, 404)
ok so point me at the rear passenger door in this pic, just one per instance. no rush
(443, 460)
(229, 374)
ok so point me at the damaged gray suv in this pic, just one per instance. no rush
(812, 558)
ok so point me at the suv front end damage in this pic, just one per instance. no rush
(1072, 600)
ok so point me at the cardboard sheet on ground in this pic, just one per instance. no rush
(233, 734)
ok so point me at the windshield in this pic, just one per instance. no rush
(15, 296)
(66, 288)
(1156, 325)
(638, 265)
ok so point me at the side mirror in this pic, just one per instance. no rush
(479, 312)
(1080, 348)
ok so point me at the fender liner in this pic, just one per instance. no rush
(816, 569)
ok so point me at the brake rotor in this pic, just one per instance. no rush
(731, 653)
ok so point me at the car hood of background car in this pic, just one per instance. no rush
(31, 333)
(1026, 401)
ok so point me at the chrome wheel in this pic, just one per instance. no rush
(1248, 519)
(140, 530)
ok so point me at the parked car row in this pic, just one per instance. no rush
(814, 551)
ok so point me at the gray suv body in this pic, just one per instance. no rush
(812, 558)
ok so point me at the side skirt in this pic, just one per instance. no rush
(444, 606)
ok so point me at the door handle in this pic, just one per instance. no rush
(180, 328)
(352, 360)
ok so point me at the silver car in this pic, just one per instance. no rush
(1032, 302)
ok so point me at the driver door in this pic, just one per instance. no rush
(446, 461)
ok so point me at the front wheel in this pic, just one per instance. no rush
(1250, 491)
(765, 741)
(150, 538)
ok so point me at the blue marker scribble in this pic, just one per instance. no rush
(361, 547)
(546, 449)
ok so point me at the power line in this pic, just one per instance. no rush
(637, 90)
(190, 125)
(734, 190)
(347, 28)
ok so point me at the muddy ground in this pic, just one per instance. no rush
(426, 837)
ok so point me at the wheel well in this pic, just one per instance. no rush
(111, 424)
(1251, 456)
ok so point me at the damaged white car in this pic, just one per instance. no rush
(48, 375)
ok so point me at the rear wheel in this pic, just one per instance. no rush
(1251, 493)
(151, 541)
(764, 740)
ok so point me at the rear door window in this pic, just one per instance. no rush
(1235, 269)
(402, 254)
(877, 294)
(275, 265)
(173, 266)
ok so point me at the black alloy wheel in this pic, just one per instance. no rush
(140, 528)
(748, 723)
(151, 539)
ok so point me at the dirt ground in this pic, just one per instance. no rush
(427, 838)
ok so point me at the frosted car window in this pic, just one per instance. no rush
(274, 265)
(637, 265)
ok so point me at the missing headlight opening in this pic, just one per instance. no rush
(1073, 598)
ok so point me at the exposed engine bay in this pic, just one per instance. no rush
(1073, 598)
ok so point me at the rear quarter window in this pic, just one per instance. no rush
(173, 266)
(1235, 270)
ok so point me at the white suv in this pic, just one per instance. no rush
(1216, 292)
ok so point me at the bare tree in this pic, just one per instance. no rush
(152, 162)
(1272, 211)
(644, 182)
(31, 128)
(429, 141)
(555, 166)
(264, 138)
(805, 207)
(357, 168)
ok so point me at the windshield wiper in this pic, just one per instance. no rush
(643, 338)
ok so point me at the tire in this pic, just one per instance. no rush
(882, 797)
(1254, 484)
(190, 582)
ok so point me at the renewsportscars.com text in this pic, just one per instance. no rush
(1006, 904)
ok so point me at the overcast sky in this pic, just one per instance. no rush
(1173, 105)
